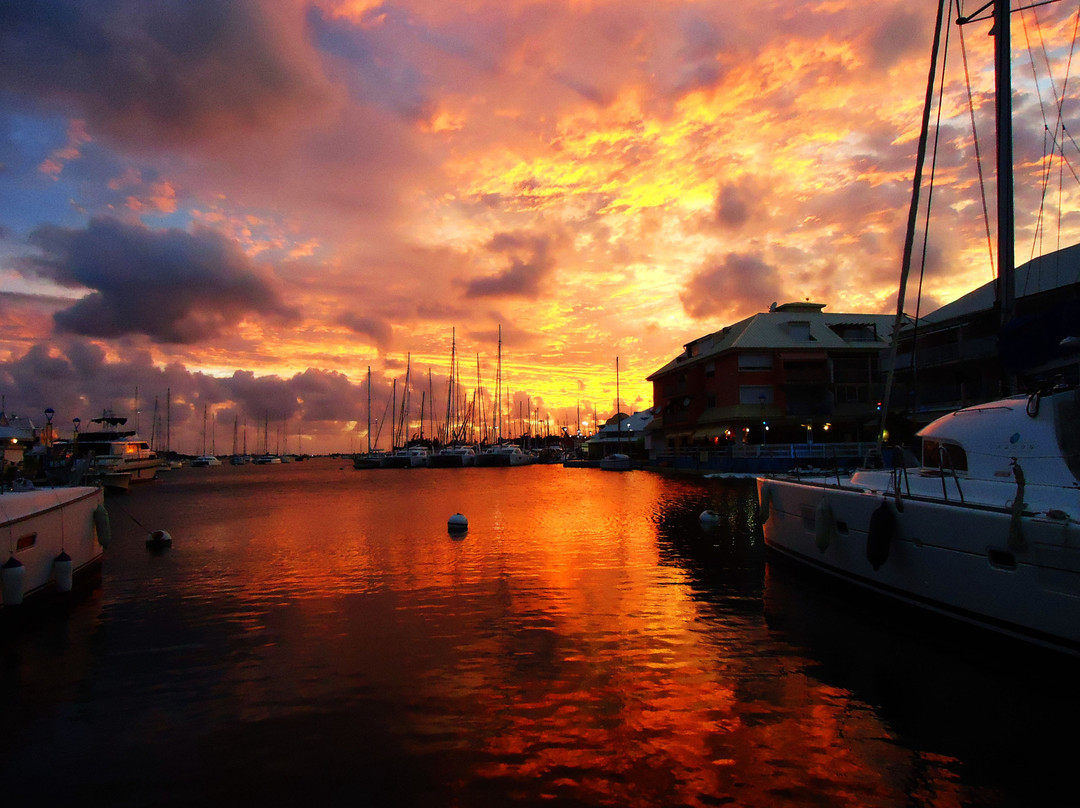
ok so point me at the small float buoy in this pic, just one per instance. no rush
(62, 569)
(709, 517)
(457, 524)
(11, 576)
(158, 539)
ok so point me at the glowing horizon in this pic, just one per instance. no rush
(253, 208)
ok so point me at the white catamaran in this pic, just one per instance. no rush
(987, 528)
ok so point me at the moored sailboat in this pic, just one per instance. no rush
(986, 529)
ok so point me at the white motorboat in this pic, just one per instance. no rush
(267, 460)
(504, 455)
(453, 457)
(110, 451)
(986, 529)
(55, 538)
(418, 456)
(616, 462)
(17, 436)
(204, 461)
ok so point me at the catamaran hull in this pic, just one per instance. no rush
(943, 556)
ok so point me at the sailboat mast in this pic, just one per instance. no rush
(618, 405)
(1003, 112)
(451, 393)
(498, 393)
(369, 409)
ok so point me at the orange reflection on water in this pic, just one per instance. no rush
(550, 653)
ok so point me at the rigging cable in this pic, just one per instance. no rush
(978, 155)
(926, 222)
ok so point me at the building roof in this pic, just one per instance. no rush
(633, 424)
(790, 327)
(1043, 274)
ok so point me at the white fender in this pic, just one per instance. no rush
(101, 524)
(63, 571)
(824, 525)
(11, 576)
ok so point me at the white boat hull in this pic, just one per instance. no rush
(41, 523)
(945, 556)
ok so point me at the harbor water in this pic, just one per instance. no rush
(316, 635)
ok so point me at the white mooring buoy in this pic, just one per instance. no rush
(709, 517)
(457, 524)
(159, 539)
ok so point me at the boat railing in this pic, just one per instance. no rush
(945, 458)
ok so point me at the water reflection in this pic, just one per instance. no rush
(588, 642)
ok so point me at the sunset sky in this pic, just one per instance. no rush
(250, 203)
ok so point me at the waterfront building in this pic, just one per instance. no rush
(794, 375)
(629, 435)
(963, 355)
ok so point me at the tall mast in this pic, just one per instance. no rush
(1003, 109)
(618, 405)
(498, 393)
(451, 393)
(369, 409)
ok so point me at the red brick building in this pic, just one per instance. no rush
(793, 374)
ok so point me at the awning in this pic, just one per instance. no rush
(710, 432)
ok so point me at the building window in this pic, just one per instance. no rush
(852, 394)
(710, 369)
(799, 330)
(755, 394)
(710, 401)
(748, 362)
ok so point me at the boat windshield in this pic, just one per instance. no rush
(939, 455)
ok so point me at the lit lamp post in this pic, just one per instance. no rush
(764, 423)
(75, 422)
(49, 413)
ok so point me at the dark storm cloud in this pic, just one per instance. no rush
(379, 330)
(739, 281)
(164, 71)
(173, 286)
(531, 262)
(732, 207)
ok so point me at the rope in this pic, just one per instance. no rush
(132, 518)
(926, 221)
